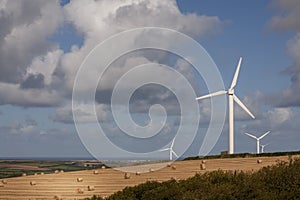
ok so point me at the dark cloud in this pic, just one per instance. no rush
(31, 121)
(151, 94)
(34, 81)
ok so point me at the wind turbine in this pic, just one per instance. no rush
(231, 98)
(258, 139)
(170, 149)
(263, 147)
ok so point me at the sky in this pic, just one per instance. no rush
(44, 43)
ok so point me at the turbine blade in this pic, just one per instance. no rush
(238, 101)
(251, 136)
(236, 74)
(264, 135)
(161, 150)
(212, 94)
(265, 145)
(175, 154)
(172, 144)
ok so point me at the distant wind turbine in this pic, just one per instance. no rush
(258, 139)
(231, 98)
(170, 149)
(263, 147)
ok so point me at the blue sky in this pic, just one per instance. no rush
(44, 44)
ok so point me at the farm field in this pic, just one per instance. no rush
(15, 168)
(108, 181)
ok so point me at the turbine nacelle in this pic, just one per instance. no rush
(230, 91)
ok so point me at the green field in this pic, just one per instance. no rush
(14, 168)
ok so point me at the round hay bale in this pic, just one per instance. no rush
(61, 171)
(32, 183)
(4, 181)
(79, 179)
(203, 161)
(56, 171)
(24, 174)
(127, 175)
(202, 166)
(174, 167)
(91, 188)
(42, 173)
(96, 172)
(103, 167)
(151, 170)
(138, 173)
(259, 161)
(57, 197)
(80, 191)
(35, 174)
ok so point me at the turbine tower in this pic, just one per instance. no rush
(231, 98)
(258, 139)
(170, 149)
(263, 147)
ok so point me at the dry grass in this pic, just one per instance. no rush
(108, 181)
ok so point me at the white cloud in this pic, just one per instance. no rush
(287, 20)
(45, 65)
(98, 20)
(34, 72)
(275, 119)
(25, 26)
(14, 95)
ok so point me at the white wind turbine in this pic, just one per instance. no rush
(231, 98)
(258, 139)
(263, 147)
(170, 149)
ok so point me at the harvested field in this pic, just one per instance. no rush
(108, 181)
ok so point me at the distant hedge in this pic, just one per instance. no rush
(281, 181)
(245, 155)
